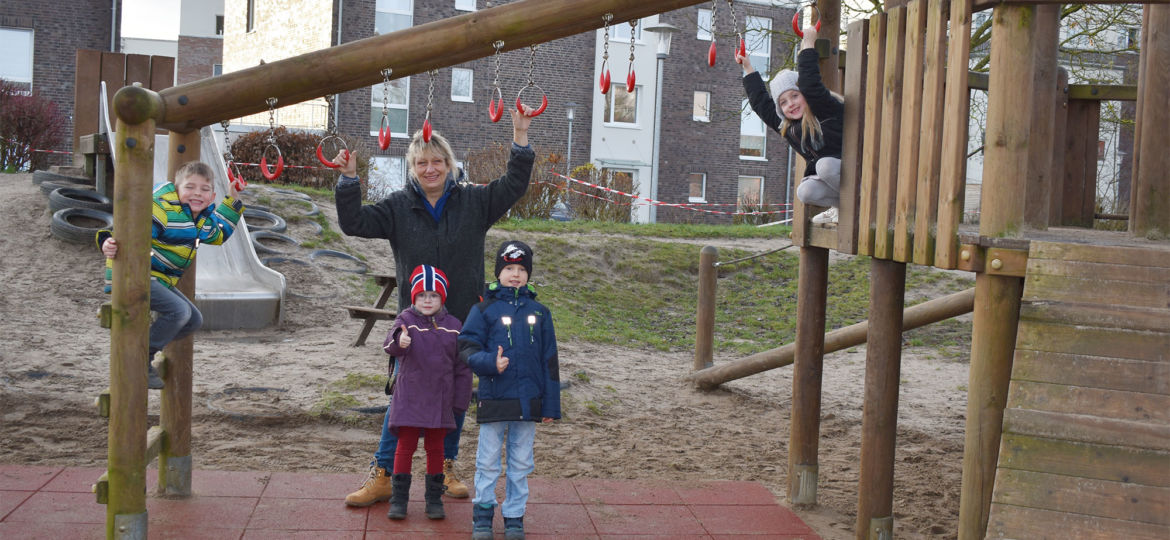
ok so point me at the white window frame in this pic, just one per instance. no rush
(747, 121)
(706, 106)
(376, 107)
(703, 24)
(739, 190)
(620, 32)
(758, 41)
(610, 109)
(383, 179)
(13, 76)
(702, 198)
(465, 5)
(470, 84)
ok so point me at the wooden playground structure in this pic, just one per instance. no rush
(902, 191)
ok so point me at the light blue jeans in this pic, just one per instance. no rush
(492, 437)
(177, 316)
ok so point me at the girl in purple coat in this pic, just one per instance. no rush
(431, 383)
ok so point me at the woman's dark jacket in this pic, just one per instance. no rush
(455, 244)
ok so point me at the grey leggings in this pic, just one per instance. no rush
(824, 188)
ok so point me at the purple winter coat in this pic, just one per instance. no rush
(432, 381)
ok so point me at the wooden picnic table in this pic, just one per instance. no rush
(376, 313)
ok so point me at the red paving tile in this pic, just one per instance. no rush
(54, 503)
(17, 478)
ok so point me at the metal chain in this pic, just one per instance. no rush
(271, 119)
(734, 19)
(227, 147)
(330, 127)
(431, 91)
(714, 13)
(386, 91)
(605, 42)
(532, 66)
(499, 45)
(633, 28)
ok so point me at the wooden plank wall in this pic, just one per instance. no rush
(913, 159)
(117, 70)
(1086, 434)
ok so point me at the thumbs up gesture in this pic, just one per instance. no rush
(501, 360)
(404, 338)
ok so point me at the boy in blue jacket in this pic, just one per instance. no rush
(510, 344)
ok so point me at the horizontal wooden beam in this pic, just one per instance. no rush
(1103, 92)
(438, 44)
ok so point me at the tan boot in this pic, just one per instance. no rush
(455, 488)
(376, 488)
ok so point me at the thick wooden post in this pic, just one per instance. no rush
(997, 298)
(1039, 181)
(705, 318)
(805, 425)
(1150, 198)
(1059, 127)
(126, 509)
(174, 461)
(879, 421)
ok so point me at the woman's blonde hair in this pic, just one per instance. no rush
(438, 146)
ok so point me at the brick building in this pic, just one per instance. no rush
(708, 153)
(200, 40)
(50, 33)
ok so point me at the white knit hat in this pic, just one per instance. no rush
(783, 82)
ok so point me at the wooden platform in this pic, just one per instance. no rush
(1086, 434)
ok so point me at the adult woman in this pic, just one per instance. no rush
(436, 220)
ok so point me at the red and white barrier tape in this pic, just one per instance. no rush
(684, 206)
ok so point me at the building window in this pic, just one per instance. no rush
(219, 25)
(216, 70)
(461, 79)
(251, 15)
(1131, 38)
(621, 107)
(465, 5)
(701, 111)
(698, 187)
(751, 133)
(16, 64)
(621, 32)
(758, 40)
(387, 175)
(620, 177)
(750, 194)
(703, 21)
(392, 16)
(397, 105)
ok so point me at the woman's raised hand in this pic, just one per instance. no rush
(520, 123)
(347, 163)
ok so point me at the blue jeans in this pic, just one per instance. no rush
(384, 457)
(492, 437)
(177, 316)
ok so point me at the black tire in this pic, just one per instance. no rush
(79, 225)
(262, 220)
(46, 176)
(290, 193)
(79, 198)
(269, 235)
(269, 261)
(313, 256)
(313, 209)
(49, 186)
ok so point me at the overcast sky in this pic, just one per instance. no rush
(152, 19)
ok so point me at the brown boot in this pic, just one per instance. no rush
(455, 488)
(376, 488)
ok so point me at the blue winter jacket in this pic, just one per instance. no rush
(529, 388)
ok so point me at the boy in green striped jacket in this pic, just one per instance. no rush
(184, 216)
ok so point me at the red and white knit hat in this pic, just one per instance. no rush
(428, 278)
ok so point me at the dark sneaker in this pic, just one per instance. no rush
(153, 381)
(514, 528)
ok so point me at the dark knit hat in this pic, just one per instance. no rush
(514, 252)
(428, 278)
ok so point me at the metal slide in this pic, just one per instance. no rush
(232, 288)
